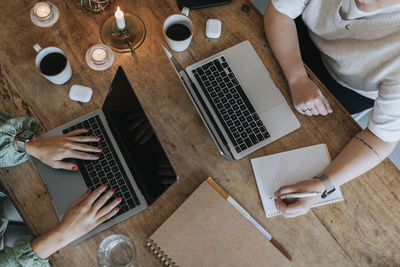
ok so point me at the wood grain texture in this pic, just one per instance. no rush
(363, 230)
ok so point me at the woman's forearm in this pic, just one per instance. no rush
(282, 37)
(82, 216)
(362, 153)
(47, 244)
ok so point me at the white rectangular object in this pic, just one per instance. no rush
(213, 28)
(80, 93)
(273, 171)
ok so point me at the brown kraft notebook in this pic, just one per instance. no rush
(207, 231)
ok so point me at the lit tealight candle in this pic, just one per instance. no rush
(119, 17)
(42, 10)
(99, 55)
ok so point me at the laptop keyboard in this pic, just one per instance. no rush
(231, 104)
(107, 169)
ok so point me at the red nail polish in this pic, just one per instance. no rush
(97, 138)
(88, 190)
(100, 149)
(113, 190)
(74, 168)
(119, 198)
(97, 157)
(117, 208)
(106, 185)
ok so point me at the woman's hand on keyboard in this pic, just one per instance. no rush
(52, 150)
(83, 215)
(88, 211)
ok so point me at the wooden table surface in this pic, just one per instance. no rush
(363, 230)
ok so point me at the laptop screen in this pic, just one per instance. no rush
(136, 139)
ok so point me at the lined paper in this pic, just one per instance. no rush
(274, 171)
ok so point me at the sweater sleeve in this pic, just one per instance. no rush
(290, 8)
(21, 255)
(9, 128)
(384, 120)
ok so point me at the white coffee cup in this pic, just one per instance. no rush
(59, 78)
(179, 45)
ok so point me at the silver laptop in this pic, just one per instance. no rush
(132, 161)
(237, 100)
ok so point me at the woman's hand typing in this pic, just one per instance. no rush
(82, 216)
(52, 150)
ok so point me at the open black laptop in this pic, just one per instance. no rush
(132, 160)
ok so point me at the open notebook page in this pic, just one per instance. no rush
(274, 171)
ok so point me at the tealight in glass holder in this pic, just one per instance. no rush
(99, 57)
(44, 14)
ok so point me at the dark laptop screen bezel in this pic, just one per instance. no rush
(149, 159)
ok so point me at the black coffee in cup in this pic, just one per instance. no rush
(178, 32)
(53, 63)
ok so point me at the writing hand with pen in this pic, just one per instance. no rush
(297, 199)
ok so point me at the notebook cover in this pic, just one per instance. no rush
(273, 171)
(207, 231)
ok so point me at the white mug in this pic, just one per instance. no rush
(182, 18)
(59, 78)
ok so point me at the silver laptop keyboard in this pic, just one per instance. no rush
(231, 104)
(107, 169)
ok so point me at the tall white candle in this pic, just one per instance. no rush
(119, 17)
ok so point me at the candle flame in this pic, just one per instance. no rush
(118, 9)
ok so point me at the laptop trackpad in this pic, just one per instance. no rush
(63, 186)
(260, 88)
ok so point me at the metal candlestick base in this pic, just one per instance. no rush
(127, 40)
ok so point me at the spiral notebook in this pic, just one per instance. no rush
(208, 231)
(274, 171)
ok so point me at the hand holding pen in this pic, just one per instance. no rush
(297, 195)
(297, 199)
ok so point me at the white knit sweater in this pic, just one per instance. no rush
(362, 54)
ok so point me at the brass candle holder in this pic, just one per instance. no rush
(126, 40)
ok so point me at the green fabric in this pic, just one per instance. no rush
(21, 254)
(9, 128)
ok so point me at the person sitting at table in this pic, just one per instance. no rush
(355, 53)
(83, 215)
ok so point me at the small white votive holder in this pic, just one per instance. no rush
(99, 57)
(44, 14)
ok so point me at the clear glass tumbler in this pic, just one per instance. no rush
(117, 251)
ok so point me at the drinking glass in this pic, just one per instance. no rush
(117, 251)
